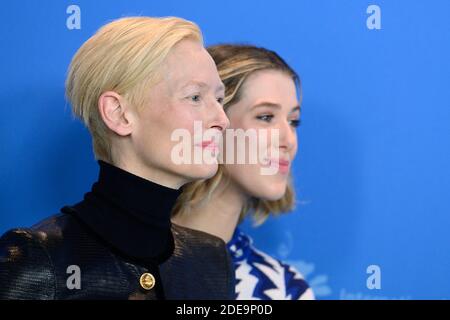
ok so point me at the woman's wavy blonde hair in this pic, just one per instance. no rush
(235, 63)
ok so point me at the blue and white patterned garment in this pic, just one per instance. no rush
(261, 277)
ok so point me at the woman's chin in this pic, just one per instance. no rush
(270, 193)
(202, 171)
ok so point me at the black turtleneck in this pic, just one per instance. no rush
(131, 214)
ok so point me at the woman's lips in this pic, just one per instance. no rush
(282, 164)
(209, 145)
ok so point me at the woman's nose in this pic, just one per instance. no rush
(220, 120)
(287, 136)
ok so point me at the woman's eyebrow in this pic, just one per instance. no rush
(202, 85)
(266, 104)
(195, 83)
(274, 105)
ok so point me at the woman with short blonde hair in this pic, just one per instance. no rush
(133, 83)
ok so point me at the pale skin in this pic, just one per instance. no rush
(269, 101)
(189, 90)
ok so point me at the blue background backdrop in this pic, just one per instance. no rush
(373, 171)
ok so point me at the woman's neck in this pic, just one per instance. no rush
(219, 216)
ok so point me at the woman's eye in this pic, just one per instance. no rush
(295, 122)
(220, 100)
(265, 117)
(195, 98)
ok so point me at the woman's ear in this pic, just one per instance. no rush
(114, 111)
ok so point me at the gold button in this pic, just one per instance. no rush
(147, 281)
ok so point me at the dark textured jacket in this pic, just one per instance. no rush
(34, 264)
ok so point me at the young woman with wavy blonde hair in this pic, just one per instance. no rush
(260, 94)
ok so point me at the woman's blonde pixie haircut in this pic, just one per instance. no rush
(235, 64)
(123, 56)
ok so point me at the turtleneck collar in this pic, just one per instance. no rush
(130, 213)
